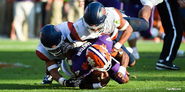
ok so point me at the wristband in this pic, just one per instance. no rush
(62, 81)
(117, 45)
(53, 66)
(122, 70)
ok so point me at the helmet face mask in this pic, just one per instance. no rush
(56, 50)
(93, 28)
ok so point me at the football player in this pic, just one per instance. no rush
(54, 47)
(107, 21)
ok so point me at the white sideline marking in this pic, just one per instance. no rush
(4, 64)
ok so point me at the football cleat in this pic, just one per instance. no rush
(166, 66)
(135, 53)
(47, 79)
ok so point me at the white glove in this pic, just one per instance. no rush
(151, 3)
(78, 43)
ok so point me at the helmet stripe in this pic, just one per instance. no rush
(95, 51)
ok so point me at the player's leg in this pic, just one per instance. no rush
(169, 14)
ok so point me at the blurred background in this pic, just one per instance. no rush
(22, 19)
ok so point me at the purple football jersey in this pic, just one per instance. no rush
(79, 61)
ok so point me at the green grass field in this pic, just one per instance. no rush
(25, 71)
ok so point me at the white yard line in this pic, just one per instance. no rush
(17, 64)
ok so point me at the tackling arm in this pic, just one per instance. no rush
(53, 69)
(122, 25)
(122, 76)
(125, 35)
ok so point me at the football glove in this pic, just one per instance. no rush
(65, 47)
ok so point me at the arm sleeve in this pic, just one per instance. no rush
(120, 22)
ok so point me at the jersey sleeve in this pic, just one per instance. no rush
(119, 21)
(68, 31)
(43, 54)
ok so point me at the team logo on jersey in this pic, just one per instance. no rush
(117, 22)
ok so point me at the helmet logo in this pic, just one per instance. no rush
(91, 61)
(98, 57)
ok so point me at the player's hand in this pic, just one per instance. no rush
(114, 52)
(122, 78)
(66, 47)
(122, 75)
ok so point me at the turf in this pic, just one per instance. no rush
(27, 75)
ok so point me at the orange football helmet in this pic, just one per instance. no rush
(98, 57)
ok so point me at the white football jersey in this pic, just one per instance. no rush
(113, 22)
(78, 31)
